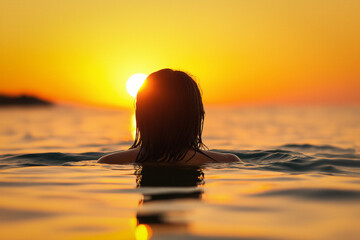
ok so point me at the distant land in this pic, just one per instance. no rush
(23, 100)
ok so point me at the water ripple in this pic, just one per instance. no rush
(339, 161)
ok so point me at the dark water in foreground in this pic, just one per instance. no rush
(299, 179)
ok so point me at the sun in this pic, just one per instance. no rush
(134, 83)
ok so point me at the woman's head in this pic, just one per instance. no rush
(169, 117)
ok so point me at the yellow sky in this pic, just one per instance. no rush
(247, 52)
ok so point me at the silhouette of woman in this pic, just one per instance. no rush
(169, 124)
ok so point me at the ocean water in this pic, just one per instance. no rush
(299, 177)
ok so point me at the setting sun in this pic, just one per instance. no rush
(134, 83)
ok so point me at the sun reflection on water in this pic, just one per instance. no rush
(143, 232)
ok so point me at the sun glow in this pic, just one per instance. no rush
(134, 83)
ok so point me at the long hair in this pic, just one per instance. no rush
(169, 117)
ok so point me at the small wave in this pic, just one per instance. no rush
(45, 159)
(315, 194)
(274, 160)
(317, 148)
(289, 161)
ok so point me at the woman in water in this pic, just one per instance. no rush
(169, 124)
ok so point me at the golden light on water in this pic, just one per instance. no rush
(134, 83)
(143, 232)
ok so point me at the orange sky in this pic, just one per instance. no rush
(247, 52)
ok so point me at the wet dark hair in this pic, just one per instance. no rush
(169, 117)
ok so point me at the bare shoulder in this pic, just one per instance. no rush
(123, 157)
(129, 156)
(222, 157)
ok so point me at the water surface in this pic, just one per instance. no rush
(298, 179)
